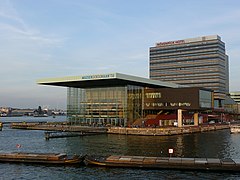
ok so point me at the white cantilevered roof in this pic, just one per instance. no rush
(105, 80)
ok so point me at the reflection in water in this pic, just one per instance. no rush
(213, 144)
(179, 146)
(216, 144)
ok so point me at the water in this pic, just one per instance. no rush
(218, 144)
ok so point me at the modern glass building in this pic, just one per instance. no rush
(120, 100)
(104, 105)
(195, 62)
(106, 99)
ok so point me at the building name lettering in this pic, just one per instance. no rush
(177, 104)
(99, 76)
(180, 104)
(153, 95)
(170, 43)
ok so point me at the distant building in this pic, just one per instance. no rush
(4, 111)
(195, 62)
(235, 96)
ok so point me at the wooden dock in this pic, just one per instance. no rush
(42, 158)
(209, 164)
(177, 163)
(62, 134)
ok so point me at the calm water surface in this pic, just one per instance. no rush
(218, 144)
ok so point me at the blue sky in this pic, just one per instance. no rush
(56, 38)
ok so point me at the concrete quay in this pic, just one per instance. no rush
(166, 131)
(159, 131)
(58, 127)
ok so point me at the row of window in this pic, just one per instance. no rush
(187, 53)
(190, 60)
(192, 44)
(196, 78)
(187, 57)
(184, 65)
(183, 70)
(189, 48)
(188, 76)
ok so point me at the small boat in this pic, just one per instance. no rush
(1, 125)
(43, 158)
(40, 115)
(235, 128)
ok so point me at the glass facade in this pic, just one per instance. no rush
(124, 105)
(205, 99)
(106, 106)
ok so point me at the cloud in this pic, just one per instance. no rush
(14, 27)
(223, 18)
(24, 49)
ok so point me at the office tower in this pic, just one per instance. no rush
(195, 62)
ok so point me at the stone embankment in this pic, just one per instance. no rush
(166, 131)
(58, 127)
(160, 131)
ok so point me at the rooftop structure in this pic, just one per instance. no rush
(103, 80)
